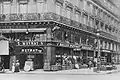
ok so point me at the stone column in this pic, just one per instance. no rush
(50, 53)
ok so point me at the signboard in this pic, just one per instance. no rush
(29, 43)
(87, 47)
(32, 51)
(4, 47)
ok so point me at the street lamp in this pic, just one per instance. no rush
(99, 53)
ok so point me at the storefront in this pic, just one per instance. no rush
(30, 50)
(4, 53)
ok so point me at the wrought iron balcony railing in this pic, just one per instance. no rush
(49, 16)
(43, 16)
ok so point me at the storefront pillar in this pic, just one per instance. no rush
(50, 50)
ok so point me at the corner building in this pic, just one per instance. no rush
(47, 29)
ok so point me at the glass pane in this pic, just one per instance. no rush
(6, 8)
(40, 7)
(23, 8)
(0, 8)
(68, 14)
(57, 9)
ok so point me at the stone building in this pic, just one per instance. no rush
(46, 29)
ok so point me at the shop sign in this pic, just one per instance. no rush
(31, 50)
(106, 51)
(64, 45)
(86, 47)
(29, 43)
(77, 49)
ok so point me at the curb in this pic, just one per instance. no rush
(62, 73)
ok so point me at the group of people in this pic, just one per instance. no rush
(77, 61)
(16, 66)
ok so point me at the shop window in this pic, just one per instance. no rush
(42, 37)
(77, 39)
(67, 36)
(58, 35)
(83, 39)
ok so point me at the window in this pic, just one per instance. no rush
(23, 8)
(1, 8)
(6, 7)
(40, 7)
(63, 12)
(58, 8)
(81, 4)
(68, 13)
(88, 7)
(32, 8)
(91, 22)
(96, 10)
(85, 20)
(77, 16)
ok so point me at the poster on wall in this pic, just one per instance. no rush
(4, 47)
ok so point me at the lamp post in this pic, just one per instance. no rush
(98, 45)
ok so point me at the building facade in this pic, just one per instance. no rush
(47, 29)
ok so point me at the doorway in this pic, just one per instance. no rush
(6, 61)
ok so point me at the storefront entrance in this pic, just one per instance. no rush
(6, 61)
(36, 58)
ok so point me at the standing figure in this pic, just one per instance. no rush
(89, 64)
(17, 66)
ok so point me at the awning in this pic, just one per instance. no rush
(22, 30)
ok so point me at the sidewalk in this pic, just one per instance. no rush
(70, 72)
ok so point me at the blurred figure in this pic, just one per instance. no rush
(89, 64)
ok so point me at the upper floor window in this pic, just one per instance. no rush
(91, 22)
(23, 8)
(77, 16)
(32, 8)
(58, 8)
(68, 12)
(1, 8)
(81, 4)
(6, 6)
(40, 7)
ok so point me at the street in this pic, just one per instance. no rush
(17, 76)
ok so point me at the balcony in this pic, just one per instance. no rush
(43, 16)
(52, 17)
(109, 36)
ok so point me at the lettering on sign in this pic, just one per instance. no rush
(31, 50)
(86, 47)
(30, 43)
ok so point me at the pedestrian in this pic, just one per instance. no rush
(89, 64)
(2, 66)
(17, 64)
